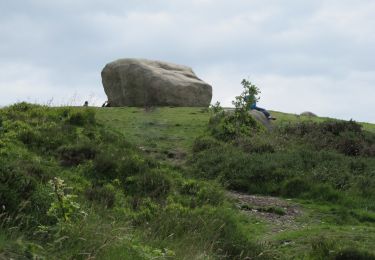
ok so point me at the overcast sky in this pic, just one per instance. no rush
(309, 55)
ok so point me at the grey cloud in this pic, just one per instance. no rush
(70, 41)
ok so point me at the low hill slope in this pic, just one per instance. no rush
(176, 183)
(169, 132)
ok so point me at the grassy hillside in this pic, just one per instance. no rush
(183, 183)
(172, 131)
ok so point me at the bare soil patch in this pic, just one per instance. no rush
(279, 212)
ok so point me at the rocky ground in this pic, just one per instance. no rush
(280, 213)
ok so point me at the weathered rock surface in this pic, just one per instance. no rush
(307, 113)
(138, 82)
(261, 118)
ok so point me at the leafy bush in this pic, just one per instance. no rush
(16, 186)
(105, 166)
(324, 192)
(105, 195)
(255, 144)
(353, 253)
(201, 193)
(349, 144)
(227, 126)
(215, 229)
(295, 187)
(74, 154)
(204, 143)
(153, 184)
(81, 118)
(346, 137)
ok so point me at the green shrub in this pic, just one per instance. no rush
(212, 229)
(105, 166)
(354, 253)
(227, 126)
(369, 150)
(16, 186)
(190, 187)
(350, 144)
(153, 184)
(322, 247)
(204, 143)
(74, 154)
(105, 195)
(255, 173)
(255, 144)
(202, 193)
(295, 187)
(338, 127)
(324, 192)
(345, 137)
(22, 107)
(81, 118)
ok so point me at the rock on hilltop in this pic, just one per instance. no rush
(139, 82)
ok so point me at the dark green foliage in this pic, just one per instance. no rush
(118, 163)
(129, 202)
(324, 192)
(21, 107)
(153, 184)
(322, 247)
(295, 187)
(204, 143)
(346, 137)
(349, 144)
(305, 160)
(223, 232)
(255, 144)
(105, 195)
(15, 186)
(353, 253)
(81, 118)
(227, 126)
(105, 166)
(201, 193)
(74, 154)
(21, 193)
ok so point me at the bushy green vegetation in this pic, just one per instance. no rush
(73, 188)
(124, 183)
(330, 161)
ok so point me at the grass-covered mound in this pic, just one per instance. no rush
(331, 161)
(73, 188)
(328, 166)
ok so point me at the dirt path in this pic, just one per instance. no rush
(280, 213)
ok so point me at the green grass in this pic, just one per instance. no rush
(283, 118)
(168, 128)
(151, 190)
(162, 132)
(174, 129)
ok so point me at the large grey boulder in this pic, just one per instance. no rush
(139, 82)
(261, 118)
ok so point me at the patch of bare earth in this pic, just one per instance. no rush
(280, 213)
